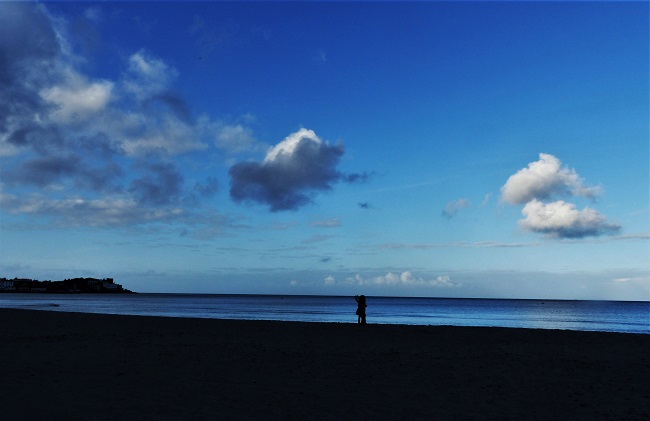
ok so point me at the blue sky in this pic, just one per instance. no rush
(442, 149)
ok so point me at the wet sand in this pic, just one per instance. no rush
(87, 366)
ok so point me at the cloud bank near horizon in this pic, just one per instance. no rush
(405, 278)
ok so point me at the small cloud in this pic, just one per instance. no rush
(641, 280)
(235, 138)
(93, 14)
(454, 207)
(486, 199)
(443, 281)
(148, 76)
(562, 220)
(320, 56)
(356, 177)
(330, 280)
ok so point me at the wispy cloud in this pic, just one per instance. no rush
(327, 223)
(455, 244)
(317, 238)
(499, 244)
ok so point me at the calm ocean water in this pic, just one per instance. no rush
(608, 316)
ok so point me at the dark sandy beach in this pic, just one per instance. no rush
(88, 366)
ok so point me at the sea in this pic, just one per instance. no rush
(605, 316)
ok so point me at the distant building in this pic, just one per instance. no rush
(94, 284)
(7, 285)
(109, 286)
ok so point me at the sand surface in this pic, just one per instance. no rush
(69, 366)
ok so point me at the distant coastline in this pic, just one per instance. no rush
(67, 286)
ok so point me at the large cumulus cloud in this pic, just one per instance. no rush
(292, 172)
(546, 179)
(543, 179)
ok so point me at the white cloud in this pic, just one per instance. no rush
(389, 278)
(563, 220)
(443, 281)
(76, 98)
(330, 280)
(543, 179)
(286, 148)
(547, 178)
(147, 75)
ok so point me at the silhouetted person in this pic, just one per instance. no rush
(361, 309)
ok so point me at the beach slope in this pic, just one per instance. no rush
(71, 366)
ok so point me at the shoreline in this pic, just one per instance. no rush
(88, 365)
(628, 317)
(50, 308)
